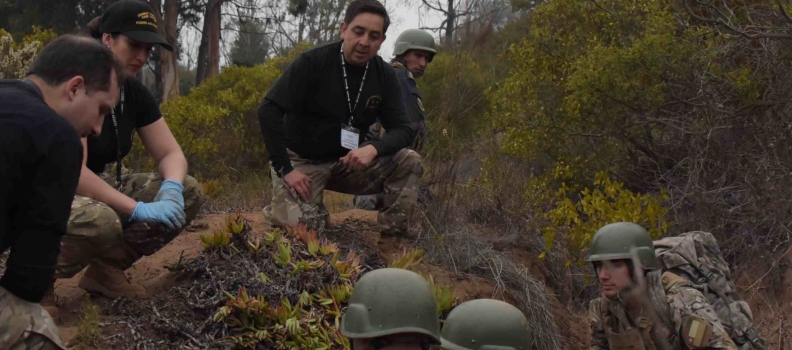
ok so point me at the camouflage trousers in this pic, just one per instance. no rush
(376, 131)
(25, 325)
(376, 201)
(369, 202)
(396, 176)
(96, 231)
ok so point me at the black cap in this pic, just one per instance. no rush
(135, 19)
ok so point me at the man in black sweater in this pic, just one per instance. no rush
(312, 119)
(71, 85)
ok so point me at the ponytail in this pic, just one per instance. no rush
(93, 28)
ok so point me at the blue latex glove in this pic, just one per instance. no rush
(167, 213)
(171, 191)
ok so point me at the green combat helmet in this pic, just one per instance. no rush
(415, 39)
(391, 301)
(486, 324)
(616, 241)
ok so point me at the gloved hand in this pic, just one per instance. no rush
(165, 212)
(171, 191)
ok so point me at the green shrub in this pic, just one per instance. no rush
(454, 97)
(582, 85)
(216, 123)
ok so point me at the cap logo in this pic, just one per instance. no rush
(147, 19)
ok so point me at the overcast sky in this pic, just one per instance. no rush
(405, 17)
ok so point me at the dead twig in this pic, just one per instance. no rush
(775, 263)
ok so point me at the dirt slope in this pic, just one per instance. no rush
(770, 298)
(152, 273)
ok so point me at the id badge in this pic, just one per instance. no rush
(350, 137)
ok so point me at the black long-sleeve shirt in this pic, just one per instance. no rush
(40, 160)
(306, 107)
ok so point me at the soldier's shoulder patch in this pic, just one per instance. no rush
(696, 332)
(373, 102)
(420, 104)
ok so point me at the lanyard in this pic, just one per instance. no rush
(118, 141)
(346, 87)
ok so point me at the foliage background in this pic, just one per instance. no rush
(675, 110)
(670, 113)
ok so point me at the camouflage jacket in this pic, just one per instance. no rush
(695, 324)
(415, 108)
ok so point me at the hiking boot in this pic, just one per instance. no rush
(110, 281)
(49, 304)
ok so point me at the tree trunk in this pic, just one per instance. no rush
(169, 61)
(209, 52)
(203, 52)
(450, 23)
(156, 6)
(213, 63)
(301, 28)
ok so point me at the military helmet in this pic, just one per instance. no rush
(616, 241)
(415, 39)
(391, 301)
(486, 324)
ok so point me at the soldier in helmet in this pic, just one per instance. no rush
(641, 307)
(392, 309)
(486, 324)
(414, 50)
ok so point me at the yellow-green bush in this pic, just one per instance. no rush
(216, 124)
(586, 77)
(659, 96)
(607, 202)
(16, 57)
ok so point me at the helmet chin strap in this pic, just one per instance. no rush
(625, 291)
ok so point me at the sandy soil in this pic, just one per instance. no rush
(770, 298)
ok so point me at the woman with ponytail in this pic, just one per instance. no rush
(116, 219)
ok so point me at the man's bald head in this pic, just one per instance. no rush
(70, 55)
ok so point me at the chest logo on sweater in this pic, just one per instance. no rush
(373, 102)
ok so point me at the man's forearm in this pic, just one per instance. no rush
(94, 187)
(394, 140)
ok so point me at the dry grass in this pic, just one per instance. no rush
(252, 192)
(464, 220)
(336, 202)
(463, 250)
